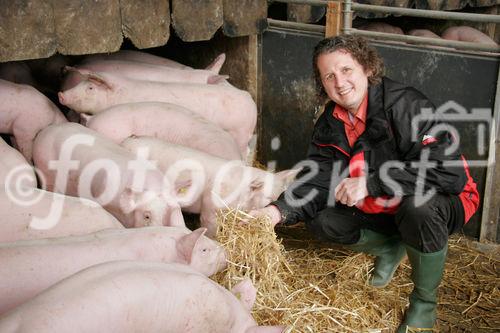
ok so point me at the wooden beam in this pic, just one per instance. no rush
(146, 22)
(333, 19)
(84, 27)
(304, 13)
(195, 20)
(244, 17)
(26, 30)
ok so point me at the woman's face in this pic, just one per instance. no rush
(343, 78)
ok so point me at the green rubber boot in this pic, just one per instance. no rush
(389, 252)
(426, 273)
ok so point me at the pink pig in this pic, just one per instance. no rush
(78, 161)
(422, 33)
(17, 72)
(232, 109)
(24, 209)
(127, 296)
(467, 34)
(165, 121)
(25, 111)
(213, 183)
(51, 260)
(382, 27)
(140, 71)
(33, 220)
(147, 58)
(14, 169)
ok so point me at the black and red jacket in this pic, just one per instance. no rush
(399, 135)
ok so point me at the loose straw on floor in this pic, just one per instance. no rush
(317, 287)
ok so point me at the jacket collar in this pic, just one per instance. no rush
(329, 130)
(378, 126)
(378, 130)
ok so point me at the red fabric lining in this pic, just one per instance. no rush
(371, 205)
(469, 195)
(334, 146)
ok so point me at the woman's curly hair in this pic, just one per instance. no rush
(366, 55)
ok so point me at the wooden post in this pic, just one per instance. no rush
(333, 18)
(491, 198)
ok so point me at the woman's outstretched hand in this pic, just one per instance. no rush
(270, 211)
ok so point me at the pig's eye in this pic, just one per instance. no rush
(147, 216)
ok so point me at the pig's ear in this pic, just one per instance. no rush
(186, 245)
(256, 184)
(217, 63)
(216, 79)
(81, 71)
(246, 293)
(266, 329)
(288, 176)
(66, 69)
(99, 80)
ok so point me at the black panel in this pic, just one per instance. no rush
(288, 96)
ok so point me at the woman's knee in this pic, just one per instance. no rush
(329, 225)
(421, 225)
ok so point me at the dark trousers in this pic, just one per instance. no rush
(425, 227)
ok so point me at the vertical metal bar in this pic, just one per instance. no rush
(347, 17)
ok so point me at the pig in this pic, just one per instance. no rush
(172, 123)
(17, 72)
(135, 56)
(14, 169)
(24, 112)
(77, 161)
(48, 72)
(140, 71)
(467, 34)
(31, 213)
(382, 27)
(214, 183)
(232, 109)
(143, 57)
(51, 260)
(132, 296)
(21, 203)
(423, 33)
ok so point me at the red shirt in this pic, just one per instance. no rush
(354, 128)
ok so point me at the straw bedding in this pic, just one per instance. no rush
(317, 287)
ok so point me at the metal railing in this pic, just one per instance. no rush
(349, 7)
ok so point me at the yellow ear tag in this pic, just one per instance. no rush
(183, 190)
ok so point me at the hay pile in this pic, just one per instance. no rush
(314, 287)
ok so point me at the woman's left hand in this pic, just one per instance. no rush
(350, 191)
